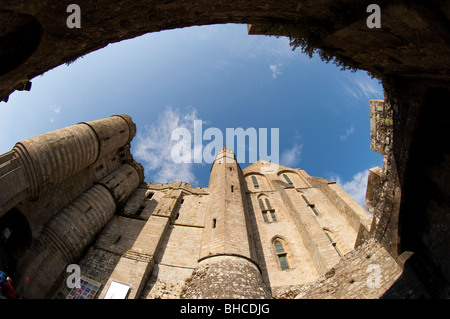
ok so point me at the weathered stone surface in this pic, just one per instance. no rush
(413, 40)
(365, 273)
(226, 277)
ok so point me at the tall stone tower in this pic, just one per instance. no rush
(227, 266)
(57, 191)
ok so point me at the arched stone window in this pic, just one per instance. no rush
(255, 182)
(292, 178)
(281, 254)
(287, 179)
(266, 209)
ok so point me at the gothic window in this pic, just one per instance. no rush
(282, 255)
(268, 204)
(274, 217)
(255, 182)
(267, 210)
(287, 179)
(261, 204)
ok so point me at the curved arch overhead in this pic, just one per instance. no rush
(292, 178)
(20, 35)
(257, 182)
(338, 28)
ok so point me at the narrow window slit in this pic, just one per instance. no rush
(140, 209)
(287, 179)
(99, 168)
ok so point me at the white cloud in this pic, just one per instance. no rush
(56, 109)
(361, 85)
(356, 187)
(292, 156)
(349, 131)
(154, 146)
(275, 70)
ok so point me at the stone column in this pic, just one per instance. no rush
(227, 266)
(36, 163)
(64, 237)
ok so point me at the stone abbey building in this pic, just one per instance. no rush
(76, 196)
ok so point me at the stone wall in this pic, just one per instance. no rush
(365, 273)
(311, 212)
(225, 277)
(152, 243)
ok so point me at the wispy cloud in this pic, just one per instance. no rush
(275, 68)
(356, 187)
(56, 109)
(361, 85)
(292, 156)
(154, 146)
(349, 131)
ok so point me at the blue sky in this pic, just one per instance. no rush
(222, 76)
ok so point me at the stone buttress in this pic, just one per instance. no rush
(227, 266)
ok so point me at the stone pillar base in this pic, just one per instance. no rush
(226, 277)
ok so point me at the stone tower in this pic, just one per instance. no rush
(227, 265)
(58, 190)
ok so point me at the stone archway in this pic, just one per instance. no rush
(404, 45)
(19, 38)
